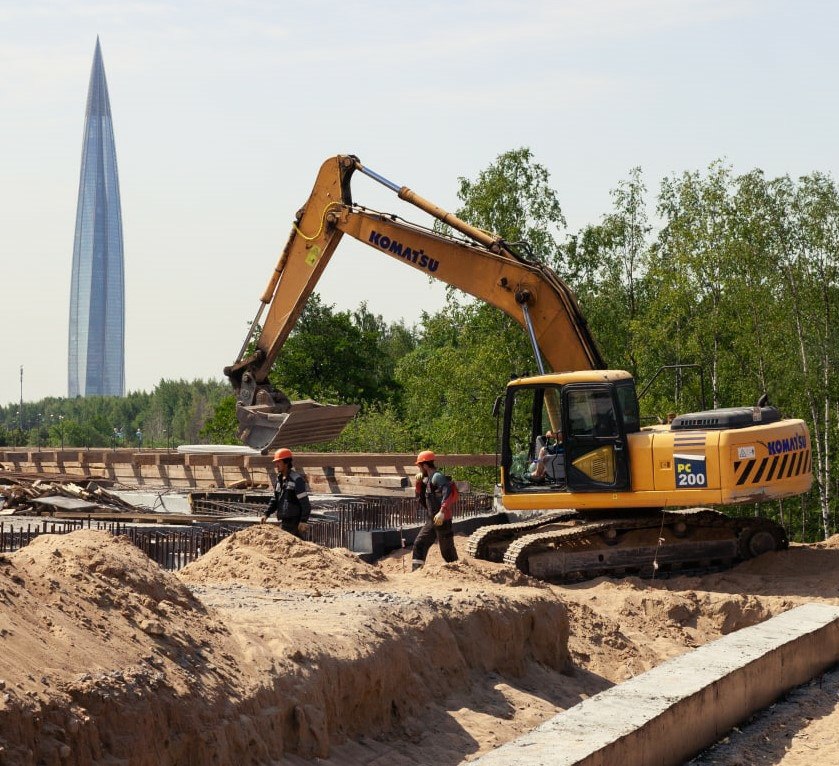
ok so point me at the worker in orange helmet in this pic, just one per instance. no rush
(437, 494)
(291, 496)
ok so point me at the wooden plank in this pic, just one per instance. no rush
(144, 458)
(151, 518)
(389, 482)
(92, 456)
(400, 461)
(169, 458)
(199, 459)
(237, 461)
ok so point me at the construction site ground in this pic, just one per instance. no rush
(272, 650)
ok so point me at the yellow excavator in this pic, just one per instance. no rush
(608, 496)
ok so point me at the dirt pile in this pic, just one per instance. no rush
(267, 557)
(273, 650)
(474, 571)
(98, 641)
(360, 653)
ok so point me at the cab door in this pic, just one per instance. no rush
(596, 454)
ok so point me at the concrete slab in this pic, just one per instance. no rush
(674, 711)
(164, 501)
(65, 503)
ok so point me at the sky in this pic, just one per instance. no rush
(224, 110)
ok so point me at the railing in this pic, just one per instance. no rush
(387, 513)
(171, 550)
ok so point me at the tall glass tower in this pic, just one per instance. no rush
(97, 291)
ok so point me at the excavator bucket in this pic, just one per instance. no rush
(307, 422)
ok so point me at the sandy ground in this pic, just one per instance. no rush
(270, 650)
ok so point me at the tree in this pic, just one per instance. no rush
(467, 352)
(221, 426)
(513, 198)
(607, 264)
(334, 356)
(805, 244)
(378, 428)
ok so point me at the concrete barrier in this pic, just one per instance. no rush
(674, 711)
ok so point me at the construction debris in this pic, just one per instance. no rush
(27, 495)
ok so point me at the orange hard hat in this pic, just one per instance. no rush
(282, 454)
(426, 456)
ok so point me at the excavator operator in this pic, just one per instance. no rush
(437, 493)
(291, 496)
(550, 447)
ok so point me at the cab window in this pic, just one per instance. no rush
(591, 414)
(628, 402)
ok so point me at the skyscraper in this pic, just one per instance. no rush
(97, 290)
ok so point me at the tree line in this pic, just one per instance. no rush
(726, 280)
(175, 412)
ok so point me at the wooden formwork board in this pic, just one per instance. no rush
(349, 473)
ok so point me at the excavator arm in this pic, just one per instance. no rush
(479, 263)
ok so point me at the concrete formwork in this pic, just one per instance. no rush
(674, 711)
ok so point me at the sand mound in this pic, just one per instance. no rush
(101, 567)
(468, 570)
(831, 542)
(799, 562)
(98, 639)
(265, 556)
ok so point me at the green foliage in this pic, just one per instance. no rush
(221, 426)
(451, 380)
(606, 264)
(513, 198)
(339, 356)
(377, 429)
(173, 413)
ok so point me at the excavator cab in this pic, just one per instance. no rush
(592, 419)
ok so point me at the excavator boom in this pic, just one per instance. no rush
(478, 263)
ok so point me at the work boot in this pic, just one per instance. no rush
(416, 564)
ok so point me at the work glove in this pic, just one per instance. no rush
(263, 519)
(439, 518)
(302, 527)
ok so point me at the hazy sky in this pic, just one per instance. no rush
(224, 111)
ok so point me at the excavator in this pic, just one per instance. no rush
(612, 497)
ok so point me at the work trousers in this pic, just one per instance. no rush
(290, 525)
(444, 535)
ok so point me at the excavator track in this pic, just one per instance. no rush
(693, 541)
(490, 543)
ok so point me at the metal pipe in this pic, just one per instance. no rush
(251, 331)
(528, 322)
(376, 177)
(403, 192)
